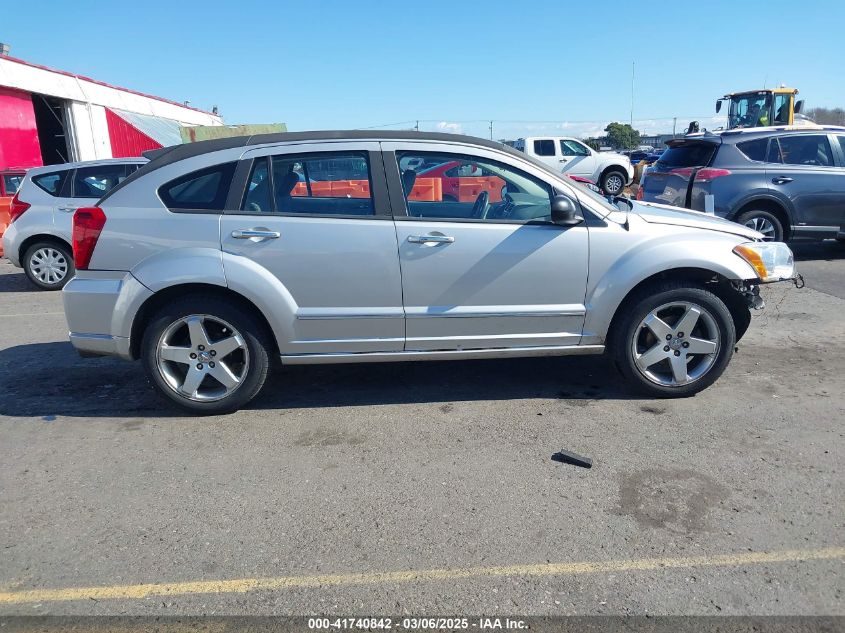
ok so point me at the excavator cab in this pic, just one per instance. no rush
(760, 108)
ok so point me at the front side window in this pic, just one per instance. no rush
(203, 190)
(842, 143)
(460, 187)
(782, 102)
(573, 148)
(310, 184)
(811, 149)
(52, 183)
(544, 147)
(95, 182)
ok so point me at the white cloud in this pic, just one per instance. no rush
(451, 128)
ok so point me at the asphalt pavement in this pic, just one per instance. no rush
(424, 488)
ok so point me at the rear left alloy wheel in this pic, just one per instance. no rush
(48, 265)
(206, 355)
(675, 340)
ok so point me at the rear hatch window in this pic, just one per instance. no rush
(668, 180)
(688, 154)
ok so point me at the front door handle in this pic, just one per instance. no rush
(248, 234)
(426, 239)
(781, 180)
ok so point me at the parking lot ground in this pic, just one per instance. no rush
(428, 488)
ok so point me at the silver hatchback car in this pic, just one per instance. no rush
(332, 247)
(39, 236)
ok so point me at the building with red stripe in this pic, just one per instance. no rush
(50, 116)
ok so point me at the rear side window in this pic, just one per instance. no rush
(310, 184)
(544, 147)
(11, 184)
(689, 155)
(811, 150)
(842, 143)
(52, 183)
(203, 190)
(97, 181)
(754, 150)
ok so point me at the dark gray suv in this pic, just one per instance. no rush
(787, 183)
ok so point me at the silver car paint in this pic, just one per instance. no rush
(48, 215)
(316, 317)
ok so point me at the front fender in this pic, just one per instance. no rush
(614, 282)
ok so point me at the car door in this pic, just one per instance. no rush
(86, 186)
(317, 217)
(577, 159)
(802, 168)
(488, 274)
(545, 150)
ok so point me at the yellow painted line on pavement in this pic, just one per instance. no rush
(244, 585)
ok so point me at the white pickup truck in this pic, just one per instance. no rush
(609, 170)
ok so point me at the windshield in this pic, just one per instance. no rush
(594, 197)
(749, 110)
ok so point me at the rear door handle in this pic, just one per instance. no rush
(781, 180)
(68, 209)
(425, 239)
(247, 234)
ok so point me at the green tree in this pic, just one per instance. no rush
(622, 136)
(827, 116)
(592, 142)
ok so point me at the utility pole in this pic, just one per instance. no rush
(417, 126)
(491, 130)
(674, 124)
(633, 65)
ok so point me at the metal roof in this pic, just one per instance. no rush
(169, 155)
(163, 131)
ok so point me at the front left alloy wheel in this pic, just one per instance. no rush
(675, 340)
(205, 354)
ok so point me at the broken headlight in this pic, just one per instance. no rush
(772, 261)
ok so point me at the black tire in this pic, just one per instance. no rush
(613, 191)
(634, 311)
(748, 218)
(32, 262)
(257, 340)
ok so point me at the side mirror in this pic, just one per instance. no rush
(565, 212)
(718, 106)
(799, 106)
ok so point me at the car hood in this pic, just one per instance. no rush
(665, 214)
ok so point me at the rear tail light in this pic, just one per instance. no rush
(16, 208)
(707, 174)
(88, 222)
(640, 191)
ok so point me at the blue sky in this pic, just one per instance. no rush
(532, 67)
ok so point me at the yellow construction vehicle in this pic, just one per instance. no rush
(760, 108)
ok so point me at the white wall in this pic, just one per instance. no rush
(15, 74)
